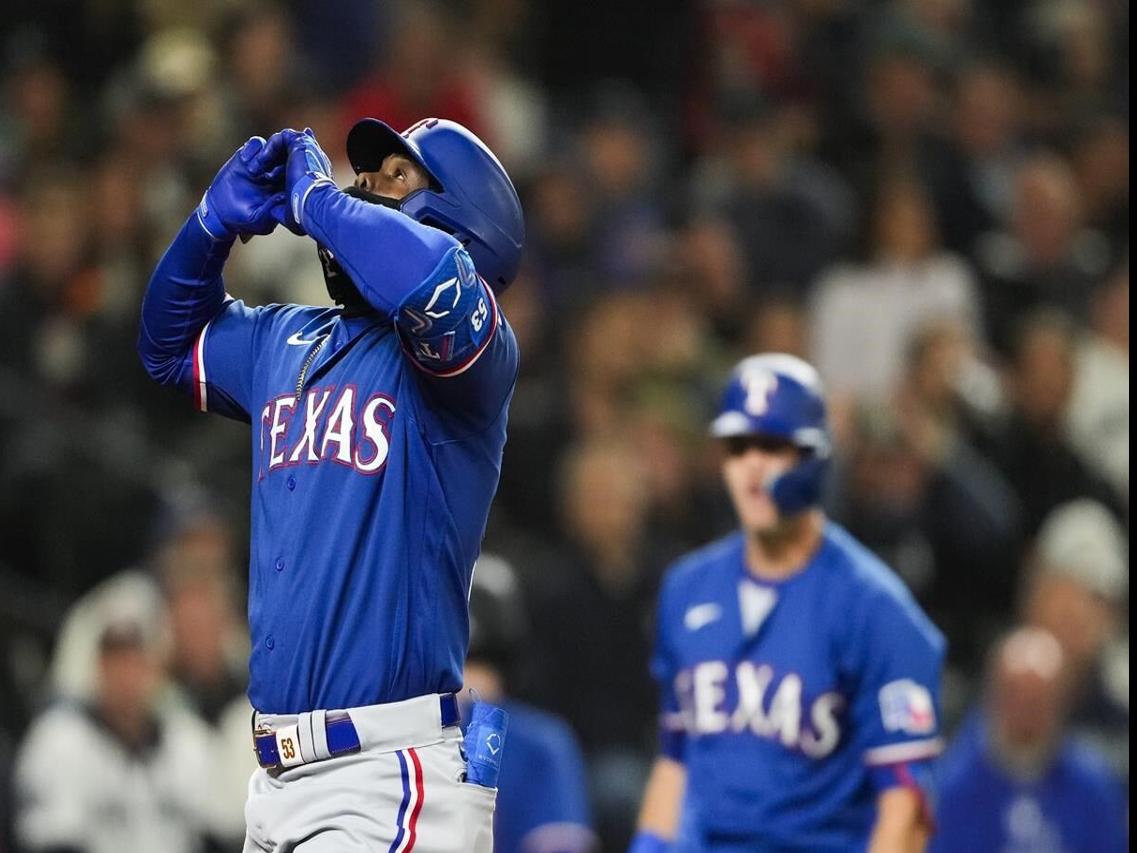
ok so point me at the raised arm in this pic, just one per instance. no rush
(387, 254)
(420, 277)
(186, 291)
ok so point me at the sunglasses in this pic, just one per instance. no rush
(737, 445)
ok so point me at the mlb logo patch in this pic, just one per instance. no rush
(906, 706)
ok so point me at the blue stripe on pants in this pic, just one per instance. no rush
(402, 806)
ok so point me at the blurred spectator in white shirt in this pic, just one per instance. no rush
(1097, 416)
(116, 772)
(863, 316)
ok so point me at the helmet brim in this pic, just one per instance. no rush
(734, 424)
(731, 425)
(369, 141)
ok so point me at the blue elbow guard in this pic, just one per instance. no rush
(448, 321)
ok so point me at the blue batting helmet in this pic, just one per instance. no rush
(780, 396)
(470, 195)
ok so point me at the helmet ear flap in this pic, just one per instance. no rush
(799, 488)
(435, 222)
(473, 199)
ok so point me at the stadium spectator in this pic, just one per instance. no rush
(973, 193)
(1100, 159)
(778, 325)
(559, 218)
(943, 518)
(1014, 779)
(542, 790)
(1047, 258)
(1097, 416)
(595, 647)
(416, 74)
(620, 161)
(947, 381)
(894, 117)
(788, 213)
(592, 612)
(862, 317)
(117, 773)
(1078, 590)
(208, 661)
(259, 54)
(1031, 447)
(711, 261)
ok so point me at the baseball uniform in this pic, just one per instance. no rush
(376, 441)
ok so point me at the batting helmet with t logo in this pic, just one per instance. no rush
(780, 396)
(470, 195)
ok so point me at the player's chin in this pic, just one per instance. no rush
(758, 515)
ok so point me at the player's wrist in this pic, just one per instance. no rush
(302, 189)
(649, 842)
(211, 223)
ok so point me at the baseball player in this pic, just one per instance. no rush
(543, 804)
(799, 679)
(377, 435)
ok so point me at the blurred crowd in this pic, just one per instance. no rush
(928, 199)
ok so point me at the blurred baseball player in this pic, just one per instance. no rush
(377, 434)
(799, 679)
(543, 801)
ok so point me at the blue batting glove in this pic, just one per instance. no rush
(268, 165)
(307, 167)
(242, 199)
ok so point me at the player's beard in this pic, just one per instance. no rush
(371, 198)
(341, 288)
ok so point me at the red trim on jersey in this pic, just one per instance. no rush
(200, 398)
(896, 753)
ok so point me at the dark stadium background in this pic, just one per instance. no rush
(927, 198)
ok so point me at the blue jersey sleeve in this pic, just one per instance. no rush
(665, 669)
(422, 278)
(192, 335)
(220, 372)
(897, 655)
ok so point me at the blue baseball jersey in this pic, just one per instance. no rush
(542, 801)
(1075, 805)
(793, 704)
(376, 446)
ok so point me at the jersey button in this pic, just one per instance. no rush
(291, 482)
(270, 643)
(280, 565)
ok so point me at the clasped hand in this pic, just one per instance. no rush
(250, 194)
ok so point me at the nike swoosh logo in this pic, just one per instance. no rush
(296, 341)
(700, 615)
